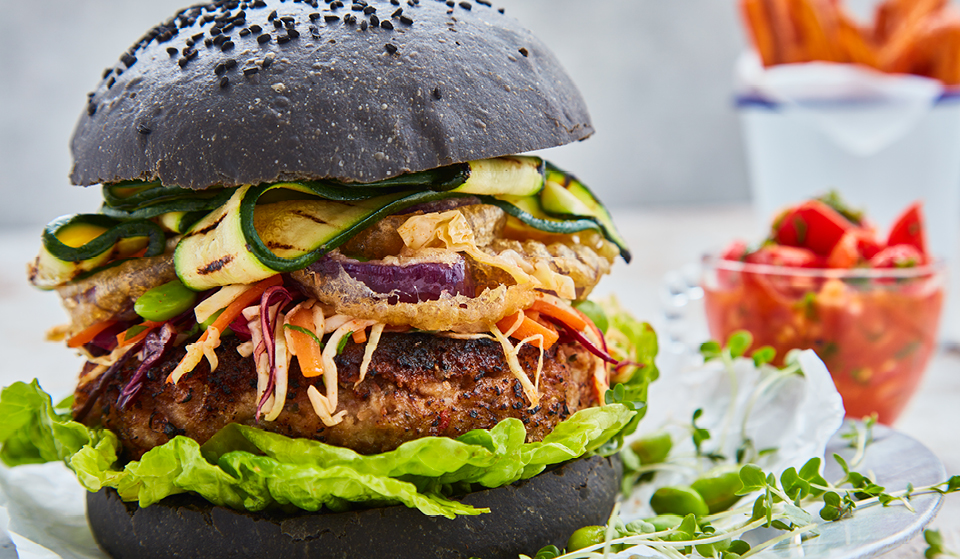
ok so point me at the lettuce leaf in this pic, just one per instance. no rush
(246, 468)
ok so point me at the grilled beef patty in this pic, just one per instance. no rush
(417, 385)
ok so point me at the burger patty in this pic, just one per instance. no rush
(417, 385)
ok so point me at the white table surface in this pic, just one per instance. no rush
(662, 240)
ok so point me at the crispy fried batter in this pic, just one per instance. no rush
(417, 385)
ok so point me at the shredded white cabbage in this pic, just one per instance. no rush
(281, 366)
(330, 351)
(510, 352)
(245, 349)
(219, 300)
(197, 351)
(322, 407)
(372, 344)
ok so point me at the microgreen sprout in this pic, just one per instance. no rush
(935, 547)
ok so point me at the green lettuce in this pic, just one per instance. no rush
(246, 468)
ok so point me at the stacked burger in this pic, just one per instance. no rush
(322, 281)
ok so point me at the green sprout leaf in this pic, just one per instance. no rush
(764, 355)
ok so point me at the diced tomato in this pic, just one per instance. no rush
(867, 245)
(812, 225)
(787, 256)
(845, 253)
(898, 256)
(908, 229)
(735, 251)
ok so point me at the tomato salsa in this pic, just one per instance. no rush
(824, 281)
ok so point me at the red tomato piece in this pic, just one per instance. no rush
(898, 256)
(786, 256)
(845, 254)
(908, 229)
(812, 225)
(867, 244)
(736, 251)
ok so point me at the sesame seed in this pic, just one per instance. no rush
(128, 59)
(483, 3)
(524, 51)
(395, 2)
(272, 16)
(172, 51)
(251, 71)
(143, 129)
(196, 37)
(357, 7)
(224, 82)
(183, 62)
(293, 33)
(266, 62)
(406, 20)
(255, 29)
(244, 32)
(331, 18)
(466, 5)
(220, 39)
(350, 19)
(277, 23)
(208, 41)
(390, 48)
(216, 31)
(369, 10)
(386, 25)
(220, 69)
(450, 3)
(363, 25)
(108, 71)
(501, 10)
(374, 21)
(230, 63)
(283, 39)
(314, 16)
(227, 46)
(287, 19)
(397, 13)
(263, 39)
(110, 82)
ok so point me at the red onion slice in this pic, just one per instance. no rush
(411, 283)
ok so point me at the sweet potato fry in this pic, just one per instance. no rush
(758, 24)
(784, 31)
(856, 44)
(910, 20)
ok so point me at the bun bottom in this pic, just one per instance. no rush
(524, 517)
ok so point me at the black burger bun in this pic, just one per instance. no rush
(233, 93)
(525, 516)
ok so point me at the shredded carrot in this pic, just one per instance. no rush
(527, 328)
(360, 336)
(89, 333)
(566, 314)
(147, 325)
(234, 309)
(308, 351)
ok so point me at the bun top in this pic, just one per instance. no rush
(233, 92)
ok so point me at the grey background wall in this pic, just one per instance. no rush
(656, 74)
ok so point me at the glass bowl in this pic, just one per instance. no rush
(874, 328)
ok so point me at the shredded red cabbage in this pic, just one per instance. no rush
(106, 341)
(570, 333)
(155, 346)
(412, 283)
(279, 296)
(104, 379)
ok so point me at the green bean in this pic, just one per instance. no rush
(652, 449)
(585, 537)
(678, 500)
(665, 521)
(165, 301)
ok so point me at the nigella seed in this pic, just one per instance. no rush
(266, 62)
(128, 59)
(395, 2)
(293, 33)
(314, 16)
(220, 39)
(483, 3)
(196, 37)
(263, 39)
(356, 7)
(437, 94)
(255, 29)
(183, 62)
(283, 39)
(272, 16)
(172, 51)
(287, 19)
(220, 69)
(143, 129)
(369, 10)
(230, 64)
(216, 31)
(244, 32)
(390, 48)
(466, 5)
(524, 51)
(251, 71)
(91, 108)
(501, 10)
(277, 23)
(386, 25)
(224, 82)
(451, 3)
(374, 21)
(227, 46)
(331, 18)
(350, 19)
(406, 20)
(110, 82)
(363, 25)
(397, 13)
(109, 71)
(208, 41)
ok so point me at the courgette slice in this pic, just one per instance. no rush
(564, 196)
(180, 204)
(245, 242)
(78, 244)
(516, 176)
(131, 195)
(529, 212)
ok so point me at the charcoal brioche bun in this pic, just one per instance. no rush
(526, 516)
(233, 93)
